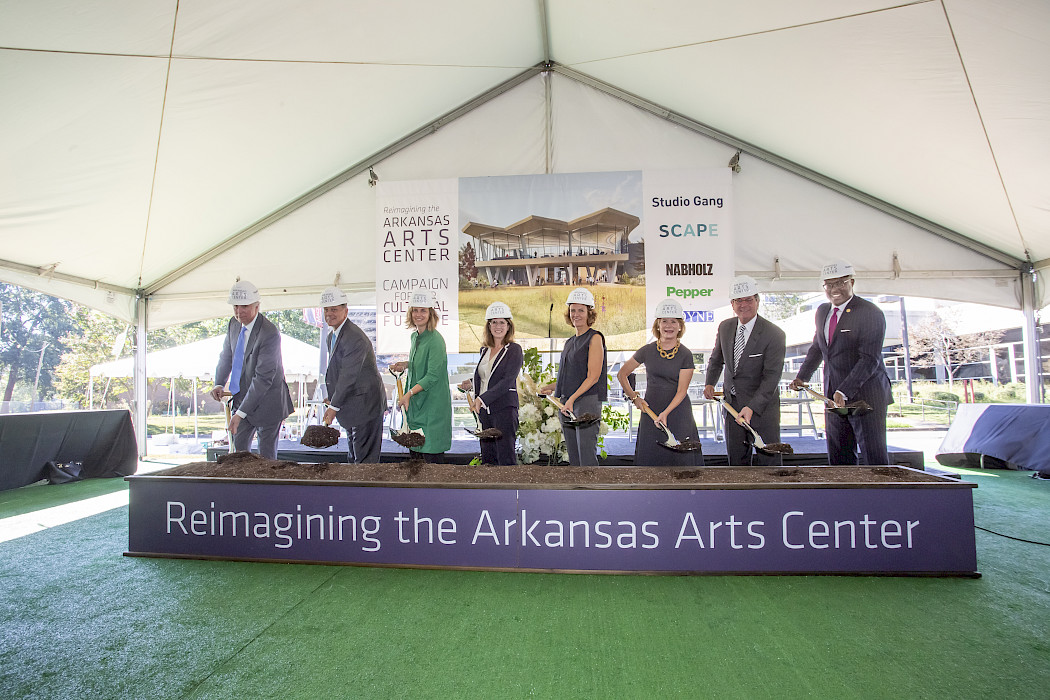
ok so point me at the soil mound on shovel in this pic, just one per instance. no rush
(246, 465)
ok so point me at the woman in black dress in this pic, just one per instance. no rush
(582, 378)
(668, 370)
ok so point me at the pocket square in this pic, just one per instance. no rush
(844, 330)
(758, 355)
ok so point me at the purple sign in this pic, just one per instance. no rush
(791, 530)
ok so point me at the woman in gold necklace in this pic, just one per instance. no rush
(669, 368)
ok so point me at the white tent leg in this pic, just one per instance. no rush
(141, 307)
(1030, 339)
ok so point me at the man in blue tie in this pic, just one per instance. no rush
(251, 360)
(355, 393)
(849, 337)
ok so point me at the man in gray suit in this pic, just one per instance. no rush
(356, 397)
(752, 351)
(251, 360)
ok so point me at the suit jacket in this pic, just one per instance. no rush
(757, 379)
(353, 381)
(263, 394)
(503, 382)
(853, 362)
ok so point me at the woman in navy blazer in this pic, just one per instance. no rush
(496, 382)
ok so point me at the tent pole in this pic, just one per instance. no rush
(141, 308)
(1030, 337)
(195, 430)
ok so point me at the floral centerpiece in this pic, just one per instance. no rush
(539, 429)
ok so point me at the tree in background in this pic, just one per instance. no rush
(291, 323)
(32, 339)
(776, 307)
(92, 342)
(934, 342)
(468, 270)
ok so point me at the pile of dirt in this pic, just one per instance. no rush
(245, 465)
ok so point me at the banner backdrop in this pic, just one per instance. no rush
(633, 238)
(689, 246)
(418, 225)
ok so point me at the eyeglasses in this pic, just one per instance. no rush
(839, 284)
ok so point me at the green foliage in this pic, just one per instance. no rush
(291, 323)
(781, 306)
(33, 330)
(91, 343)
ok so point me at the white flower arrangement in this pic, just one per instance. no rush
(539, 429)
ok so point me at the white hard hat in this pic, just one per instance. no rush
(243, 293)
(669, 308)
(497, 309)
(333, 296)
(423, 300)
(580, 296)
(743, 286)
(839, 268)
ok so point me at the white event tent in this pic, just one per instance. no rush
(154, 150)
(197, 361)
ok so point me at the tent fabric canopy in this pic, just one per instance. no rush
(198, 359)
(159, 149)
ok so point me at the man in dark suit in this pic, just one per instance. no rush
(752, 351)
(355, 393)
(251, 360)
(849, 337)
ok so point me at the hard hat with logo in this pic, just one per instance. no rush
(742, 286)
(333, 296)
(243, 293)
(423, 299)
(839, 268)
(497, 309)
(669, 308)
(580, 296)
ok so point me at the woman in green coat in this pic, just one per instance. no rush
(427, 402)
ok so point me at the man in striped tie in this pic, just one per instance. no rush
(251, 360)
(751, 349)
(849, 337)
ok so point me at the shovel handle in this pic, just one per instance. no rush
(817, 395)
(732, 412)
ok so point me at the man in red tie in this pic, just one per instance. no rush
(849, 337)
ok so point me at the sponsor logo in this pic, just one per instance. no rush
(687, 293)
(685, 230)
(699, 316)
(681, 269)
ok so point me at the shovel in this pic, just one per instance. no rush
(404, 436)
(481, 434)
(775, 448)
(858, 407)
(672, 443)
(320, 436)
(573, 422)
(225, 399)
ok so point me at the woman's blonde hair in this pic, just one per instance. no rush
(656, 328)
(490, 342)
(592, 315)
(432, 320)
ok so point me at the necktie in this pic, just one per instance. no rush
(738, 350)
(831, 326)
(238, 362)
(331, 342)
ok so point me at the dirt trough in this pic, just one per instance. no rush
(244, 465)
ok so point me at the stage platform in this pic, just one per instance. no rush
(808, 451)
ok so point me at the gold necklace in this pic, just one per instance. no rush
(669, 354)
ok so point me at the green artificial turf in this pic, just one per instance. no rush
(79, 620)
